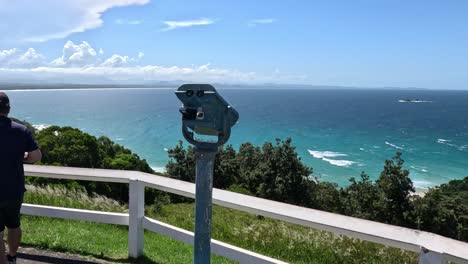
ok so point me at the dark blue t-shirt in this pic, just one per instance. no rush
(15, 140)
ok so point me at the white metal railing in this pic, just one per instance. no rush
(431, 247)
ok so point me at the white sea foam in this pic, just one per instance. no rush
(414, 101)
(446, 142)
(326, 155)
(393, 145)
(340, 163)
(159, 169)
(41, 126)
(419, 168)
(361, 149)
(120, 139)
(166, 149)
(422, 184)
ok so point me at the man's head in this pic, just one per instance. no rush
(4, 104)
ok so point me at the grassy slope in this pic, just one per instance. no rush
(284, 241)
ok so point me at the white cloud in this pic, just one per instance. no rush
(187, 23)
(254, 22)
(75, 55)
(127, 22)
(115, 60)
(31, 58)
(6, 55)
(129, 74)
(80, 63)
(52, 19)
(101, 52)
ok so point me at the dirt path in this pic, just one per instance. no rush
(35, 256)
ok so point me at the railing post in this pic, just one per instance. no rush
(430, 257)
(136, 208)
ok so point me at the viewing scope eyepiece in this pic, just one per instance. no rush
(205, 112)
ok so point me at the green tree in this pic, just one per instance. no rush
(326, 197)
(181, 163)
(444, 210)
(248, 158)
(272, 172)
(67, 146)
(226, 171)
(361, 198)
(395, 187)
(283, 175)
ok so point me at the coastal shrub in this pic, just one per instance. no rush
(273, 172)
(67, 146)
(361, 198)
(444, 210)
(395, 187)
(325, 196)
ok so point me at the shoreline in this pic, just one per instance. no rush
(420, 192)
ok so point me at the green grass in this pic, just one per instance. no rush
(62, 197)
(288, 242)
(101, 241)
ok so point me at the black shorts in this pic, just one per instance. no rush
(10, 214)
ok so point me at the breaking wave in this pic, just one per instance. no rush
(446, 142)
(326, 155)
(340, 163)
(420, 168)
(393, 145)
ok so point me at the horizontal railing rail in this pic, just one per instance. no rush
(429, 245)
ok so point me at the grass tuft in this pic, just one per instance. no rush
(288, 242)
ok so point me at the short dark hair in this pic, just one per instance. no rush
(4, 103)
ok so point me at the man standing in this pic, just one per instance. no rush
(17, 146)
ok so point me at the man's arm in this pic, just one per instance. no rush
(33, 156)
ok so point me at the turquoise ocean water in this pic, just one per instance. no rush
(337, 132)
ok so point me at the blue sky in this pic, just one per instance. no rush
(347, 43)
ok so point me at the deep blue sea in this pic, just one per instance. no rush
(337, 132)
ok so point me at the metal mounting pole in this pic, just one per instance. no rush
(203, 204)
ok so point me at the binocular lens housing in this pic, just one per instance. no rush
(190, 93)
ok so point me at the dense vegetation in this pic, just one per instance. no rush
(67, 146)
(273, 171)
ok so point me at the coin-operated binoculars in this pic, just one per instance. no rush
(204, 113)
